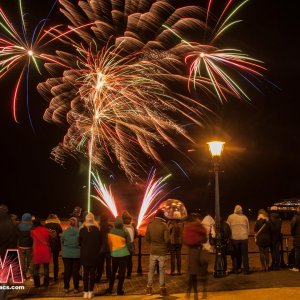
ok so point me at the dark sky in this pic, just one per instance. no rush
(261, 156)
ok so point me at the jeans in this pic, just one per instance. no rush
(55, 255)
(175, 251)
(89, 278)
(36, 277)
(297, 257)
(71, 269)
(161, 260)
(26, 258)
(118, 263)
(275, 252)
(104, 258)
(240, 252)
(129, 265)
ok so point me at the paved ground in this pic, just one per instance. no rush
(258, 285)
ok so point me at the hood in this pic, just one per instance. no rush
(119, 223)
(26, 217)
(238, 209)
(72, 231)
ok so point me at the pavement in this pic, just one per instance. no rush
(257, 285)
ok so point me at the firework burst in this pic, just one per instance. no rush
(20, 49)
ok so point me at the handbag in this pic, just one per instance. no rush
(258, 232)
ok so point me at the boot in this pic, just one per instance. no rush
(37, 282)
(46, 280)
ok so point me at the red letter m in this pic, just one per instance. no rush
(11, 266)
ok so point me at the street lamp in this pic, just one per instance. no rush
(216, 148)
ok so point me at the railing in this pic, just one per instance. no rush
(285, 250)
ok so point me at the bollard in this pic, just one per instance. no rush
(139, 268)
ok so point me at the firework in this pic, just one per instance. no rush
(104, 195)
(120, 86)
(20, 49)
(154, 194)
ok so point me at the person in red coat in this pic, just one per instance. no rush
(41, 251)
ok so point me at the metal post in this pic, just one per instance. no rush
(219, 260)
(139, 268)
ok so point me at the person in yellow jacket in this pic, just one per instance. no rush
(119, 244)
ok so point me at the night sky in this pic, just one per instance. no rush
(261, 157)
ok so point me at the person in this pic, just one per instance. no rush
(90, 245)
(225, 233)
(8, 231)
(295, 232)
(53, 224)
(175, 228)
(104, 251)
(71, 255)
(262, 229)
(157, 234)
(194, 236)
(132, 232)
(208, 222)
(41, 252)
(276, 239)
(77, 213)
(25, 245)
(239, 225)
(119, 242)
(8, 237)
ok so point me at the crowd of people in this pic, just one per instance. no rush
(90, 248)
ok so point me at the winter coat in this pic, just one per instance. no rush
(197, 261)
(119, 240)
(90, 245)
(175, 229)
(70, 243)
(276, 224)
(54, 225)
(104, 229)
(263, 239)
(8, 234)
(295, 229)
(23, 229)
(41, 253)
(194, 234)
(239, 226)
(157, 234)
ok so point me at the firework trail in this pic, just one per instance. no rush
(121, 86)
(104, 195)
(154, 194)
(20, 49)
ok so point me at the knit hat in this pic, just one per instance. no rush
(26, 217)
(160, 214)
(238, 209)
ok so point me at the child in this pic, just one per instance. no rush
(194, 235)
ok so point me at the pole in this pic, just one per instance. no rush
(139, 268)
(219, 269)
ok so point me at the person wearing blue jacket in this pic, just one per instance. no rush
(71, 255)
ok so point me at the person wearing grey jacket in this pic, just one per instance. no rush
(239, 225)
(157, 234)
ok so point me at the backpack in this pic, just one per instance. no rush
(53, 238)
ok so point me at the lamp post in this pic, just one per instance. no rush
(216, 148)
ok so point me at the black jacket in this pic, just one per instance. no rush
(295, 229)
(90, 245)
(264, 236)
(8, 235)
